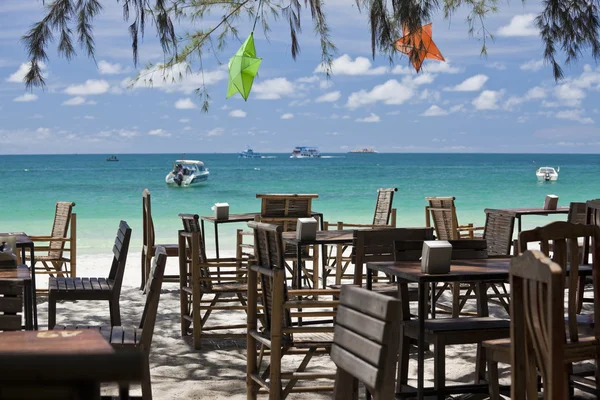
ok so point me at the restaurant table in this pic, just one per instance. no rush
(80, 359)
(323, 238)
(237, 218)
(480, 271)
(23, 243)
(11, 280)
(520, 212)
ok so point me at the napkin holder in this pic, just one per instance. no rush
(551, 202)
(306, 229)
(436, 256)
(221, 210)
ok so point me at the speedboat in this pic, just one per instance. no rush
(306, 152)
(547, 174)
(112, 158)
(249, 153)
(187, 173)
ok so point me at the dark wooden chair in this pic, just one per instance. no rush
(148, 242)
(201, 278)
(365, 344)
(286, 318)
(498, 232)
(125, 338)
(592, 216)
(443, 213)
(94, 288)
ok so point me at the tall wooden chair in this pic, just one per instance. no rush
(148, 239)
(61, 250)
(126, 338)
(94, 288)
(498, 232)
(365, 344)
(201, 277)
(443, 212)
(592, 216)
(286, 326)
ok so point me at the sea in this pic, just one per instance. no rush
(107, 192)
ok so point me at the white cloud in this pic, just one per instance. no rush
(532, 65)
(391, 92)
(345, 66)
(238, 114)
(371, 118)
(574, 115)
(472, 84)
(287, 116)
(520, 25)
(185, 104)
(43, 131)
(19, 74)
(535, 93)
(89, 117)
(74, 101)
(90, 87)
(325, 84)
(178, 78)
(128, 133)
(329, 97)
(496, 65)
(488, 99)
(27, 97)
(569, 94)
(434, 111)
(299, 103)
(159, 132)
(106, 68)
(308, 79)
(273, 89)
(215, 132)
(184, 120)
(433, 68)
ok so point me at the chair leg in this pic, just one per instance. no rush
(494, 380)
(115, 312)
(455, 299)
(580, 289)
(51, 310)
(146, 383)
(439, 369)
(143, 270)
(403, 357)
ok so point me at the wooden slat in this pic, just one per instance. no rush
(362, 370)
(116, 335)
(11, 287)
(11, 304)
(384, 307)
(369, 327)
(87, 285)
(95, 284)
(129, 335)
(10, 322)
(361, 347)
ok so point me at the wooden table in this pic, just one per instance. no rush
(237, 218)
(16, 282)
(72, 360)
(323, 238)
(520, 212)
(478, 271)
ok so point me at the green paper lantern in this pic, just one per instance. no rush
(243, 67)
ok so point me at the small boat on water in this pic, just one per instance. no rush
(187, 173)
(112, 158)
(306, 152)
(249, 153)
(547, 174)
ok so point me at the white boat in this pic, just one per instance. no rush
(306, 152)
(547, 174)
(249, 153)
(187, 173)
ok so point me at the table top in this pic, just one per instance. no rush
(18, 273)
(65, 355)
(245, 217)
(517, 212)
(323, 237)
(485, 269)
(22, 238)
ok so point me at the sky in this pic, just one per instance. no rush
(505, 102)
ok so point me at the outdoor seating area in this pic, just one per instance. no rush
(304, 311)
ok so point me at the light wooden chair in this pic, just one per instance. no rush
(200, 278)
(365, 344)
(148, 239)
(443, 212)
(61, 249)
(94, 288)
(537, 328)
(286, 322)
(126, 338)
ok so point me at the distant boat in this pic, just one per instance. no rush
(547, 174)
(363, 150)
(112, 158)
(249, 153)
(306, 152)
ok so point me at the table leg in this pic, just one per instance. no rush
(433, 287)
(28, 307)
(369, 283)
(482, 311)
(299, 266)
(338, 264)
(421, 343)
(216, 239)
(203, 233)
(518, 226)
(33, 286)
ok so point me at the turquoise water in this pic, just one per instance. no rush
(106, 192)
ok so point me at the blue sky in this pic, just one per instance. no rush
(505, 102)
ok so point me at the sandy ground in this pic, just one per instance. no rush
(217, 371)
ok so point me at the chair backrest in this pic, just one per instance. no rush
(153, 288)
(194, 249)
(537, 322)
(498, 232)
(562, 238)
(378, 245)
(60, 227)
(593, 212)
(462, 249)
(120, 250)
(270, 265)
(147, 222)
(365, 343)
(443, 213)
(383, 207)
(577, 213)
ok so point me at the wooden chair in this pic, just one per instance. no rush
(94, 288)
(384, 217)
(61, 251)
(562, 238)
(201, 277)
(126, 338)
(148, 245)
(592, 216)
(498, 232)
(365, 344)
(286, 326)
(443, 212)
